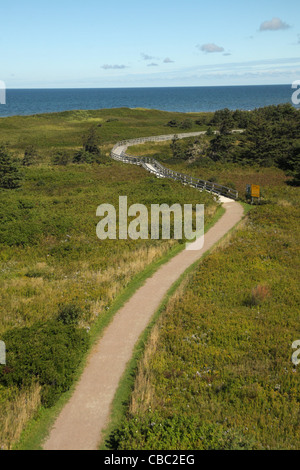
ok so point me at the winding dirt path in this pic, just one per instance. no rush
(85, 416)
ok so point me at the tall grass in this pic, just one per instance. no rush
(217, 373)
(16, 412)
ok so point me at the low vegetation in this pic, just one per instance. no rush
(58, 280)
(217, 370)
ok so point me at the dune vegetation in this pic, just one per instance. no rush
(217, 370)
(58, 280)
(219, 358)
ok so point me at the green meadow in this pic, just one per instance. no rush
(216, 372)
(58, 280)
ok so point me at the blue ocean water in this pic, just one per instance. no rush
(184, 99)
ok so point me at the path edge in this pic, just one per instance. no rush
(126, 383)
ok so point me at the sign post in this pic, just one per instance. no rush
(253, 192)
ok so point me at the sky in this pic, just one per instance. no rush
(134, 43)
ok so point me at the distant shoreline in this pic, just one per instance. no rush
(146, 88)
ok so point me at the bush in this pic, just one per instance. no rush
(61, 158)
(9, 173)
(173, 123)
(47, 353)
(69, 314)
(30, 156)
(84, 157)
(186, 124)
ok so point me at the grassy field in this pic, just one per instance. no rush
(217, 370)
(63, 131)
(50, 258)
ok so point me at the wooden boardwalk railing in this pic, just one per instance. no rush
(119, 153)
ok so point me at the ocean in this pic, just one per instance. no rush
(180, 99)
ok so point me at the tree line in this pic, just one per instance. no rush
(271, 137)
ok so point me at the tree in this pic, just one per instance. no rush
(10, 177)
(224, 119)
(90, 152)
(91, 141)
(177, 149)
(210, 132)
(221, 147)
(196, 148)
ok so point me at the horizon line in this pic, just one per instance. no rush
(145, 87)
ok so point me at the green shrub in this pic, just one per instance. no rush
(61, 158)
(186, 124)
(30, 156)
(173, 123)
(48, 353)
(10, 177)
(69, 314)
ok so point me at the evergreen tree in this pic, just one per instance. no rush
(91, 142)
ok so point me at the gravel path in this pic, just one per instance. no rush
(81, 421)
(85, 416)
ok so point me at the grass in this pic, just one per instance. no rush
(63, 131)
(217, 370)
(50, 253)
(39, 426)
(50, 256)
(123, 394)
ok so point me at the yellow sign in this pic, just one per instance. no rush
(255, 190)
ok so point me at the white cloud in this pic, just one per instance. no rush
(210, 48)
(274, 25)
(147, 57)
(152, 65)
(114, 67)
(168, 61)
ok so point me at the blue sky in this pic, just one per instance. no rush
(77, 43)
